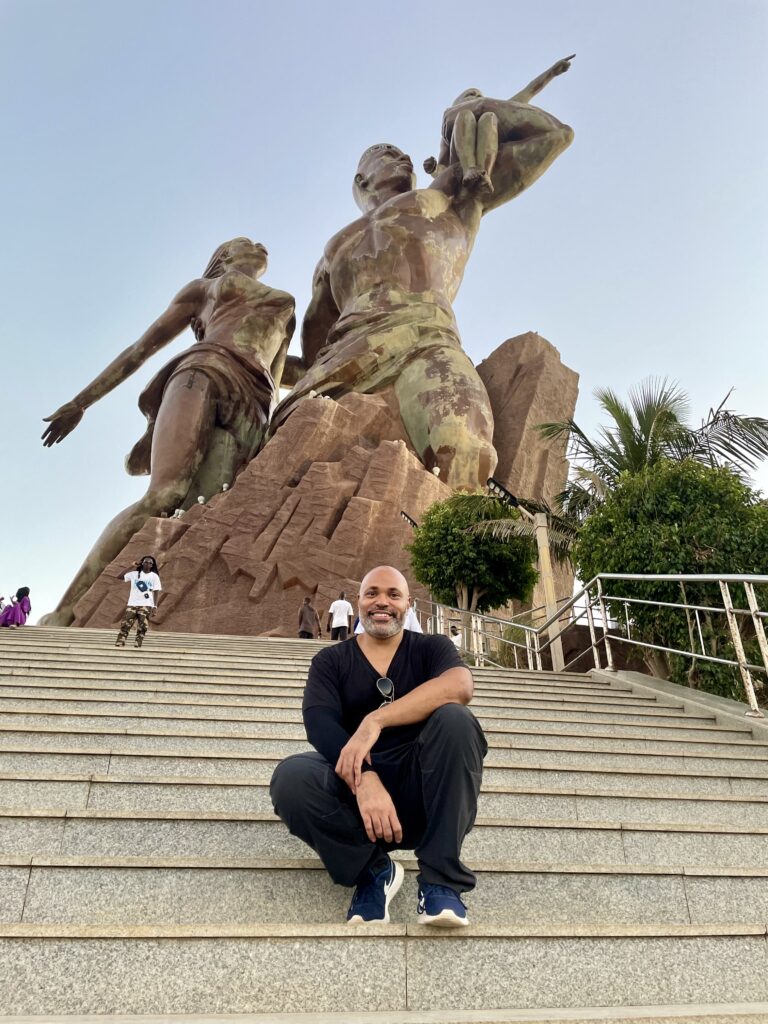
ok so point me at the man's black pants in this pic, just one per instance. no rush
(339, 632)
(434, 783)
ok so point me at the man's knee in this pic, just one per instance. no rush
(455, 723)
(297, 781)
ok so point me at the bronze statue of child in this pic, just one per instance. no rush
(475, 125)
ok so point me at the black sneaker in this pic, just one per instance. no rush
(441, 906)
(370, 902)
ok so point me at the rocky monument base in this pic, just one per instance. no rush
(321, 503)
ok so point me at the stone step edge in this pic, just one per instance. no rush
(138, 687)
(698, 1013)
(541, 704)
(218, 781)
(287, 691)
(591, 825)
(409, 863)
(492, 733)
(393, 931)
(153, 652)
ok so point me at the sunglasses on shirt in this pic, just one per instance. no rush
(386, 688)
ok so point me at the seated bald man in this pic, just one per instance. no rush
(398, 762)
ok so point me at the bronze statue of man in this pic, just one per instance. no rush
(380, 313)
(207, 409)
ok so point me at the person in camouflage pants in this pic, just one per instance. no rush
(138, 615)
(145, 583)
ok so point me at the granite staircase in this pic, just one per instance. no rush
(621, 848)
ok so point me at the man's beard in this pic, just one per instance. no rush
(382, 630)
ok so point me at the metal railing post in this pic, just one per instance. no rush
(746, 676)
(757, 622)
(610, 667)
(592, 636)
(548, 586)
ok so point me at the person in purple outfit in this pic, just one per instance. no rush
(17, 611)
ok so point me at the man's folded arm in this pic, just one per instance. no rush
(325, 732)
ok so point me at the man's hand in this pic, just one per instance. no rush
(62, 422)
(377, 810)
(350, 764)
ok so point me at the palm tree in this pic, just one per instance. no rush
(651, 426)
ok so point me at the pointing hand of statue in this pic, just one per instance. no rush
(62, 422)
(562, 65)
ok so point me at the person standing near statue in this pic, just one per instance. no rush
(380, 314)
(309, 621)
(145, 583)
(207, 409)
(340, 618)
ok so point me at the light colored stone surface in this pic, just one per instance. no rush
(147, 896)
(678, 847)
(487, 971)
(13, 888)
(137, 797)
(188, 976)
(29, 836)
(17, 793)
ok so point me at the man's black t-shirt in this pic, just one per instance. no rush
(341, 690)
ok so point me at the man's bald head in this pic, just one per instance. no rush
(385, 576)
(383, 602)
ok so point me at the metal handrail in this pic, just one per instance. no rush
(488, 644)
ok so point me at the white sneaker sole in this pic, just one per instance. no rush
(390, 892)
(445, 919)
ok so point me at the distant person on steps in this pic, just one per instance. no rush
(340, 616)
(309, 621)
(18, 610)
(145, 582)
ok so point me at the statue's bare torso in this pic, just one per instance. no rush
(416, 242)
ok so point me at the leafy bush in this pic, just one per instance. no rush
(680, 518)
(472, 571)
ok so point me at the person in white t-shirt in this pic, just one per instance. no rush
(144, 581)
(340, 618)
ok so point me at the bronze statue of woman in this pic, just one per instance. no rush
(207, 409)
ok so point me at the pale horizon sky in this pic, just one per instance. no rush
(138, 137)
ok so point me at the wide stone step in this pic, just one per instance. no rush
(272, 738)
(504, 787)
(151, 656)
(325, 968)
(698, 1013)
(258, 767)
(58, 686)
(601, 798)
(48, 832)
(176, 891)
(50, 710)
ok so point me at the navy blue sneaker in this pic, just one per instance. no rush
(441, 906)
(370, 903)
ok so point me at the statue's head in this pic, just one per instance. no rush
(468, 94)
(383, 171)
(239, 252)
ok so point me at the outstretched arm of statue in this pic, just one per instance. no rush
(181, 311)
(533, 88)
(322, 313)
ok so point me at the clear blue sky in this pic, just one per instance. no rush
(138, 136)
